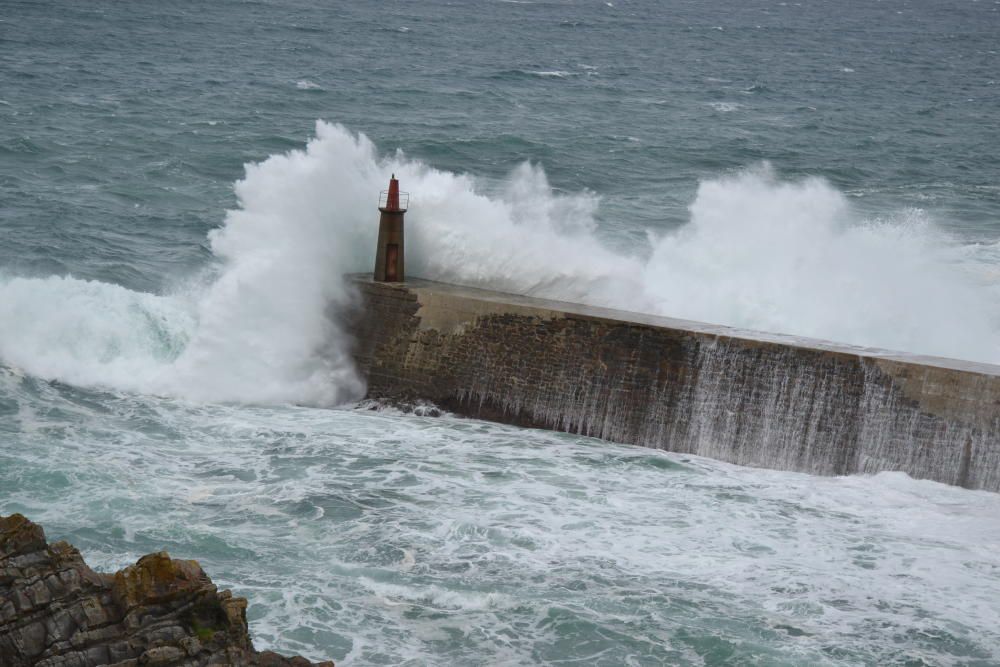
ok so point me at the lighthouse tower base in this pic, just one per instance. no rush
(389, 258)
(389, 253)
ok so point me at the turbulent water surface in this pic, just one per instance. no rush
(380, 538)
(801, 167)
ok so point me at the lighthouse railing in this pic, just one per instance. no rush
(404, 200)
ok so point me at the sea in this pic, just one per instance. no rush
(184, 184)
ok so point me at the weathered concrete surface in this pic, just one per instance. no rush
(57, 612)
(746, 397)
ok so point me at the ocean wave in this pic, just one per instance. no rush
(758, 252)
(724, 107)
(534, 74)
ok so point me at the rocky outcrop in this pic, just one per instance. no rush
(161, 612)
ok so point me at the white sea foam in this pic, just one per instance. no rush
(87, 332)
(758, 252)
(452, 541)
(724, 107)
(558, 74)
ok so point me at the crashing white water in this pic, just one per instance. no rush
(758, 253)
(396, 539)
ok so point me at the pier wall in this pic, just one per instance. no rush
(744, 397)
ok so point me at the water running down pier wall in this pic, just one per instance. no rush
(744, 397)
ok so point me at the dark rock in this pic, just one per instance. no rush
(161, 612)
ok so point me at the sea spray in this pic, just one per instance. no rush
(794, 257)
(267, 327)
(758, 252)
(262, 329)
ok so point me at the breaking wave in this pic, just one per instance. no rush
(758, 252)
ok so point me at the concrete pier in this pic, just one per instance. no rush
(745, 397)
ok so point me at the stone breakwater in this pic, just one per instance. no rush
(739, 396)
(57, 612)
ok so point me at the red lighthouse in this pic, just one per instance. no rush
(389, 255)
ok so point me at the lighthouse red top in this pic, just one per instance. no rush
(390, 199)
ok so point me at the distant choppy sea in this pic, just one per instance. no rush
(183, 184)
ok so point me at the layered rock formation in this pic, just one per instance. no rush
(161, 612)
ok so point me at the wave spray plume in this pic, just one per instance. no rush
(757, 253)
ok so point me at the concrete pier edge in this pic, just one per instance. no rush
(751, 398)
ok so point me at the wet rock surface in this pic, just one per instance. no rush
(161, 612)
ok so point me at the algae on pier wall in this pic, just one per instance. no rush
(748, 398)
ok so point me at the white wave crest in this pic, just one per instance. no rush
(757, 253)
(87, 332)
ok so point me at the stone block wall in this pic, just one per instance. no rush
(743, 397)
